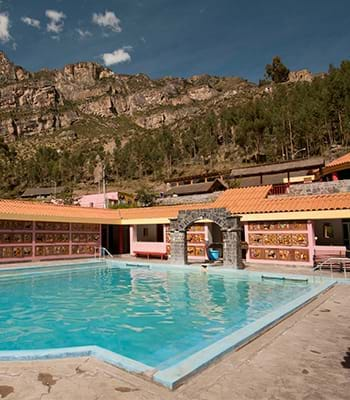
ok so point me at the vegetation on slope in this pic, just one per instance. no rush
(274, 126)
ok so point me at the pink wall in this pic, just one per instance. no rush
(156, 247)
(159, 247)
(311, 248)
(330, 251)
(97, 199)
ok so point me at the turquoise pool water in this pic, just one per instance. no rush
(155, 317)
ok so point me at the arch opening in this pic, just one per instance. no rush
(228, 224)
(204, 242)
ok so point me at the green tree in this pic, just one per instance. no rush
(145, 196)
(277, 71)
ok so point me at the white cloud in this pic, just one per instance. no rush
(35, 23)
(56, 21)
(116, 57)
(4, 28)
(83, 34)
(107, 20)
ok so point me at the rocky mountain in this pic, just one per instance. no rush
(63, 125)
(47, 101)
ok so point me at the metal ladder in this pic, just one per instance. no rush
(102, 252)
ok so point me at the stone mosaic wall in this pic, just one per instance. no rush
(281, 242)
(31, 240)
(307, 189)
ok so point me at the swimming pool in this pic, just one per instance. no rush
(152, 318)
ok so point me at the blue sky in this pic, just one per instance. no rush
(176, 37)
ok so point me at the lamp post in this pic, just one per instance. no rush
(298, 151)
(54, 188)
(105, 205)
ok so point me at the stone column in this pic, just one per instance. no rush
(232, 244)
(178, 247)
(232, 249)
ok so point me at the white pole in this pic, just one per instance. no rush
(104, 187)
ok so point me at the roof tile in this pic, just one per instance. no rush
(40, 211)
(239, 201)
(255, 200)
(341, 160)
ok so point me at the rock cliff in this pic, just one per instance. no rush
(49, 101)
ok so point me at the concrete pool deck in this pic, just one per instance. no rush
(306, 356)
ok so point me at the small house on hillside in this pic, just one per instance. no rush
(279, 175)
(42, 193)
(101, 200)
(197, 188)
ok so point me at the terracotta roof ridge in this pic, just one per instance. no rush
(345, 158)
(308, 196)
(37, 203)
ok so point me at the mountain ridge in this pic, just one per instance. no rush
(91, 89)
(64, 125)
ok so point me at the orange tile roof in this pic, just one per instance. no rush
(338, 161)
(242, 199)
(159, 212)
(250, 200)
(12, 209)
(254, 200)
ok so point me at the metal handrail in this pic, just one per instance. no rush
(331, 261)
(102, 252)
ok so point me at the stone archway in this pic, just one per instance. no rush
(228, 223)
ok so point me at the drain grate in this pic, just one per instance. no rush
(283, 278)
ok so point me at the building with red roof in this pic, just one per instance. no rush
(309, 220)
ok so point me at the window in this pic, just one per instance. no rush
(328, 231)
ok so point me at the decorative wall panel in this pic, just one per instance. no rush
(28, 240)
(279, 241)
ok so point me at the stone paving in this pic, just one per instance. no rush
(297, 270)
(306, 357)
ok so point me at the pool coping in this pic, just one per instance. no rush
(98, 352)
(171, 377)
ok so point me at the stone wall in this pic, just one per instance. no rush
(190, 199)
(307, 189)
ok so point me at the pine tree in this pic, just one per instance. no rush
(277, 71)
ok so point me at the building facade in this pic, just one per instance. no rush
(309, 222)
(99, 200)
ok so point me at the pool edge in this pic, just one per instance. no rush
(97, 352)
(174, 376)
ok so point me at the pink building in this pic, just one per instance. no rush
(99, 200)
